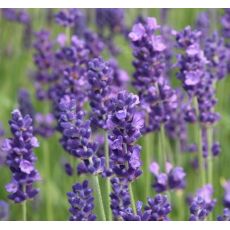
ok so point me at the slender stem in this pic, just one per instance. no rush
(210, 161)
(148, 149)
(49, 211)
(181, 205)
(24, 211)
(67, 33)
(199, 143)
(99, 196)
(108, 184)
(162, 143)
(132, 198)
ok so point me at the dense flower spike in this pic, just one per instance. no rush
(99, 77)
(120, 198)
(225, 216)
(21, 159)
(82, 202)
(174, 178)
(124, 125)
(157, 97)
(76, 134)
(202, 204)
(157, 209)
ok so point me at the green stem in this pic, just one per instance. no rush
(163, 153)
(24, 211)
(148, 144)
(210, 162)
(108, 184)
(200, 150)
(162, 143)
(132, 198)
(48, 193)
(99, 196)
(210, 159)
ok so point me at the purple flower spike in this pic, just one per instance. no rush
(76, 134)
(157, 99)
(124, 131)
(100, 78)
(21, 159)
(120, 198)
(81, 201)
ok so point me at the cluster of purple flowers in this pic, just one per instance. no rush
(157, 209)
(100, 78)
(82, 202)
(16, 15)
(124, 124)
(157, 97)
(202, 203)
(21, 159)
(75, 139)
(174, 178)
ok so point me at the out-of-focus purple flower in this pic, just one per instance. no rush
(100, 78)
(21, 159)
(124, 125)
(203, 24)
(94, 43)
(173, 178)
(226, 200)
(216, 148)
(110, 18)
(69, 17)
(109, 23)
(216, 53)
(4, 210)
(225, 21)
(202, 203)
(81, 201)
(225, 216)
(44, 124)
(17, 15)
(25, 103)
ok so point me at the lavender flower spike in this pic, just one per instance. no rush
(21, 159)
(124, 124)
(82, 202)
